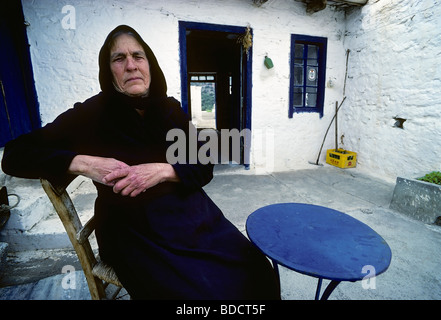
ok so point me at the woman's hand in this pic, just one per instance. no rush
(95, 168)
(133, 180)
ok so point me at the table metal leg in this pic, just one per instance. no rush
(276, 269)
(329, 289)
(319, 287)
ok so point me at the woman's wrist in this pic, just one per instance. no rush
(79, 164)
(169, 173)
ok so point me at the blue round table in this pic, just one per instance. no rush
(319, 242)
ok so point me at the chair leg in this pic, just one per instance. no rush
(96, 288)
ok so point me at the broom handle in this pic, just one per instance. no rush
(336, 127)
(318, 157)
(335, 115)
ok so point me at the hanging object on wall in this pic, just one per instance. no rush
(246, 39)
(268, 62)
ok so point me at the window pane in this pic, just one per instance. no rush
(311, 97)
(312, 52)
(298, 53)
(298, 97)
(312, 62)
(312, 55)
(298, 75)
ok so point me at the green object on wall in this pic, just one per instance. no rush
(268, 62)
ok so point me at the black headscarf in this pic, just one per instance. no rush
(158, 85)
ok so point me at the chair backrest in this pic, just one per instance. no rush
(78, 234)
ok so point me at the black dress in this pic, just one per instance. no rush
(170, 242)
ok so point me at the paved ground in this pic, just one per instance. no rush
(414, 273)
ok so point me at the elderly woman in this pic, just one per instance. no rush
(163, 235)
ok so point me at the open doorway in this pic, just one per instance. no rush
(202, 104)
(216, 82)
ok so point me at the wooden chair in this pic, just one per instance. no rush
(98, 274)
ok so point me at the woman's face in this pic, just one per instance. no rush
(129, 66)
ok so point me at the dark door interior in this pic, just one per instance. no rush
(215, 63)
(218, 54)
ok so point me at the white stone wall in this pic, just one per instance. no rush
(395, 71)
(65, 60)
(295, 141)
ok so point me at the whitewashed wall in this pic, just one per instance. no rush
(393, 71)
(65, 60)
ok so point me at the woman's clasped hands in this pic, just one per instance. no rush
(124, 179)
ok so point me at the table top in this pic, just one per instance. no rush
(318, 241)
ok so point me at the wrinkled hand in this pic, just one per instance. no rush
(133, 180)
(95, 168)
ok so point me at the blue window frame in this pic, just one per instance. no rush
(308, 73)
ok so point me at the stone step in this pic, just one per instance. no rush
(57, 287)
(29, 266)
(34, 224)
(69, 286)
(45, 275)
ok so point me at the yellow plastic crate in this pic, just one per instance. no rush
(341, 158)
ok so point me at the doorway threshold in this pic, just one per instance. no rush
(229, 168)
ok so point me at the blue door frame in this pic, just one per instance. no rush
(184, 26)
(19, 112)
